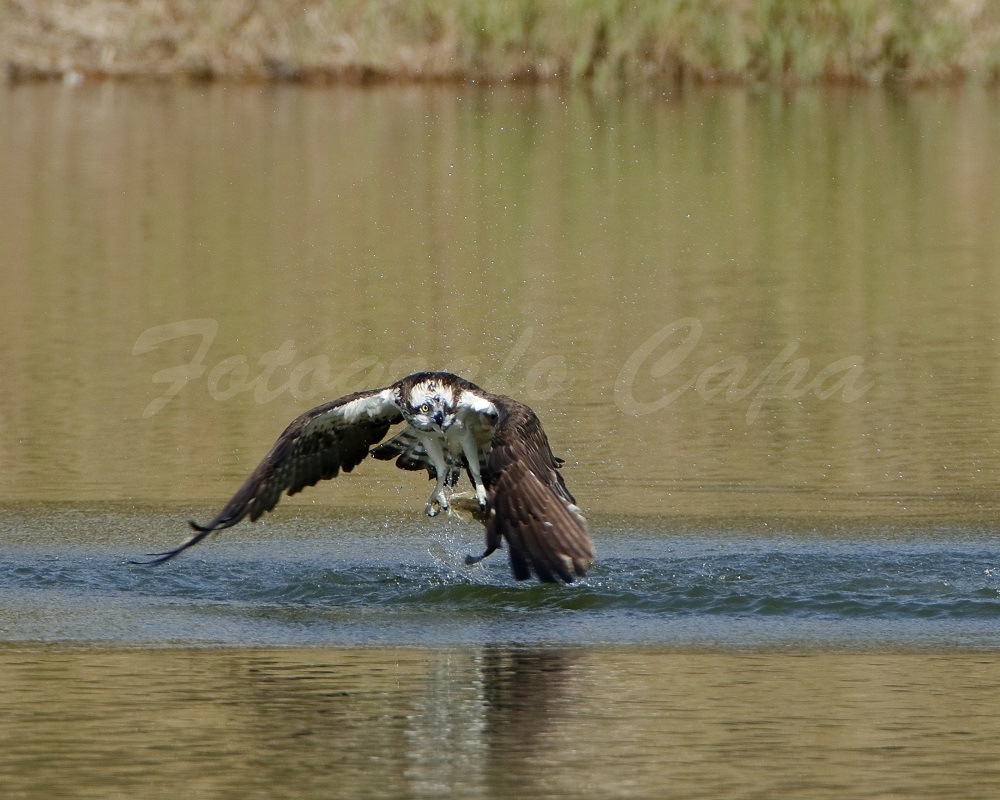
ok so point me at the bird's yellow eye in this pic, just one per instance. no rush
(425, 408)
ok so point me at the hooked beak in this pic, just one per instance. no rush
(438, 418)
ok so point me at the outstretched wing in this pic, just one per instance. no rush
(530, 505)
(315, 446)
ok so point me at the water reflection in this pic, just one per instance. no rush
(458, 718)
(483, 718)
(494, 722)
(533, 240)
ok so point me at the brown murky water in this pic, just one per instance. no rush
(729, 309)
(719, 302)
(496, 722)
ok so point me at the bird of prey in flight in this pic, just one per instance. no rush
(451, 426)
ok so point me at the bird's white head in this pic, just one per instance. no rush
(429, 406)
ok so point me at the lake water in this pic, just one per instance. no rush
(760, 327)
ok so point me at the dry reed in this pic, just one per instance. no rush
(786, 41)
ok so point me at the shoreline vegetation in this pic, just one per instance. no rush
(787, 42)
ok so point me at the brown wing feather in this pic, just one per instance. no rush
(316, 446)
(530, 505)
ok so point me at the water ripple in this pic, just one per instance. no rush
(648, 589)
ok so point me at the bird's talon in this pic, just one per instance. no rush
(437, 503)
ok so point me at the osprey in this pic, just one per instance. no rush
(451, 426)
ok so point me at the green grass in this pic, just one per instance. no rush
(784, 41)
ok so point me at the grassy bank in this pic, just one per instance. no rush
(862, 41)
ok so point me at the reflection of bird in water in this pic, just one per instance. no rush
(492, 710)
(451, 426)
(523, 687)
